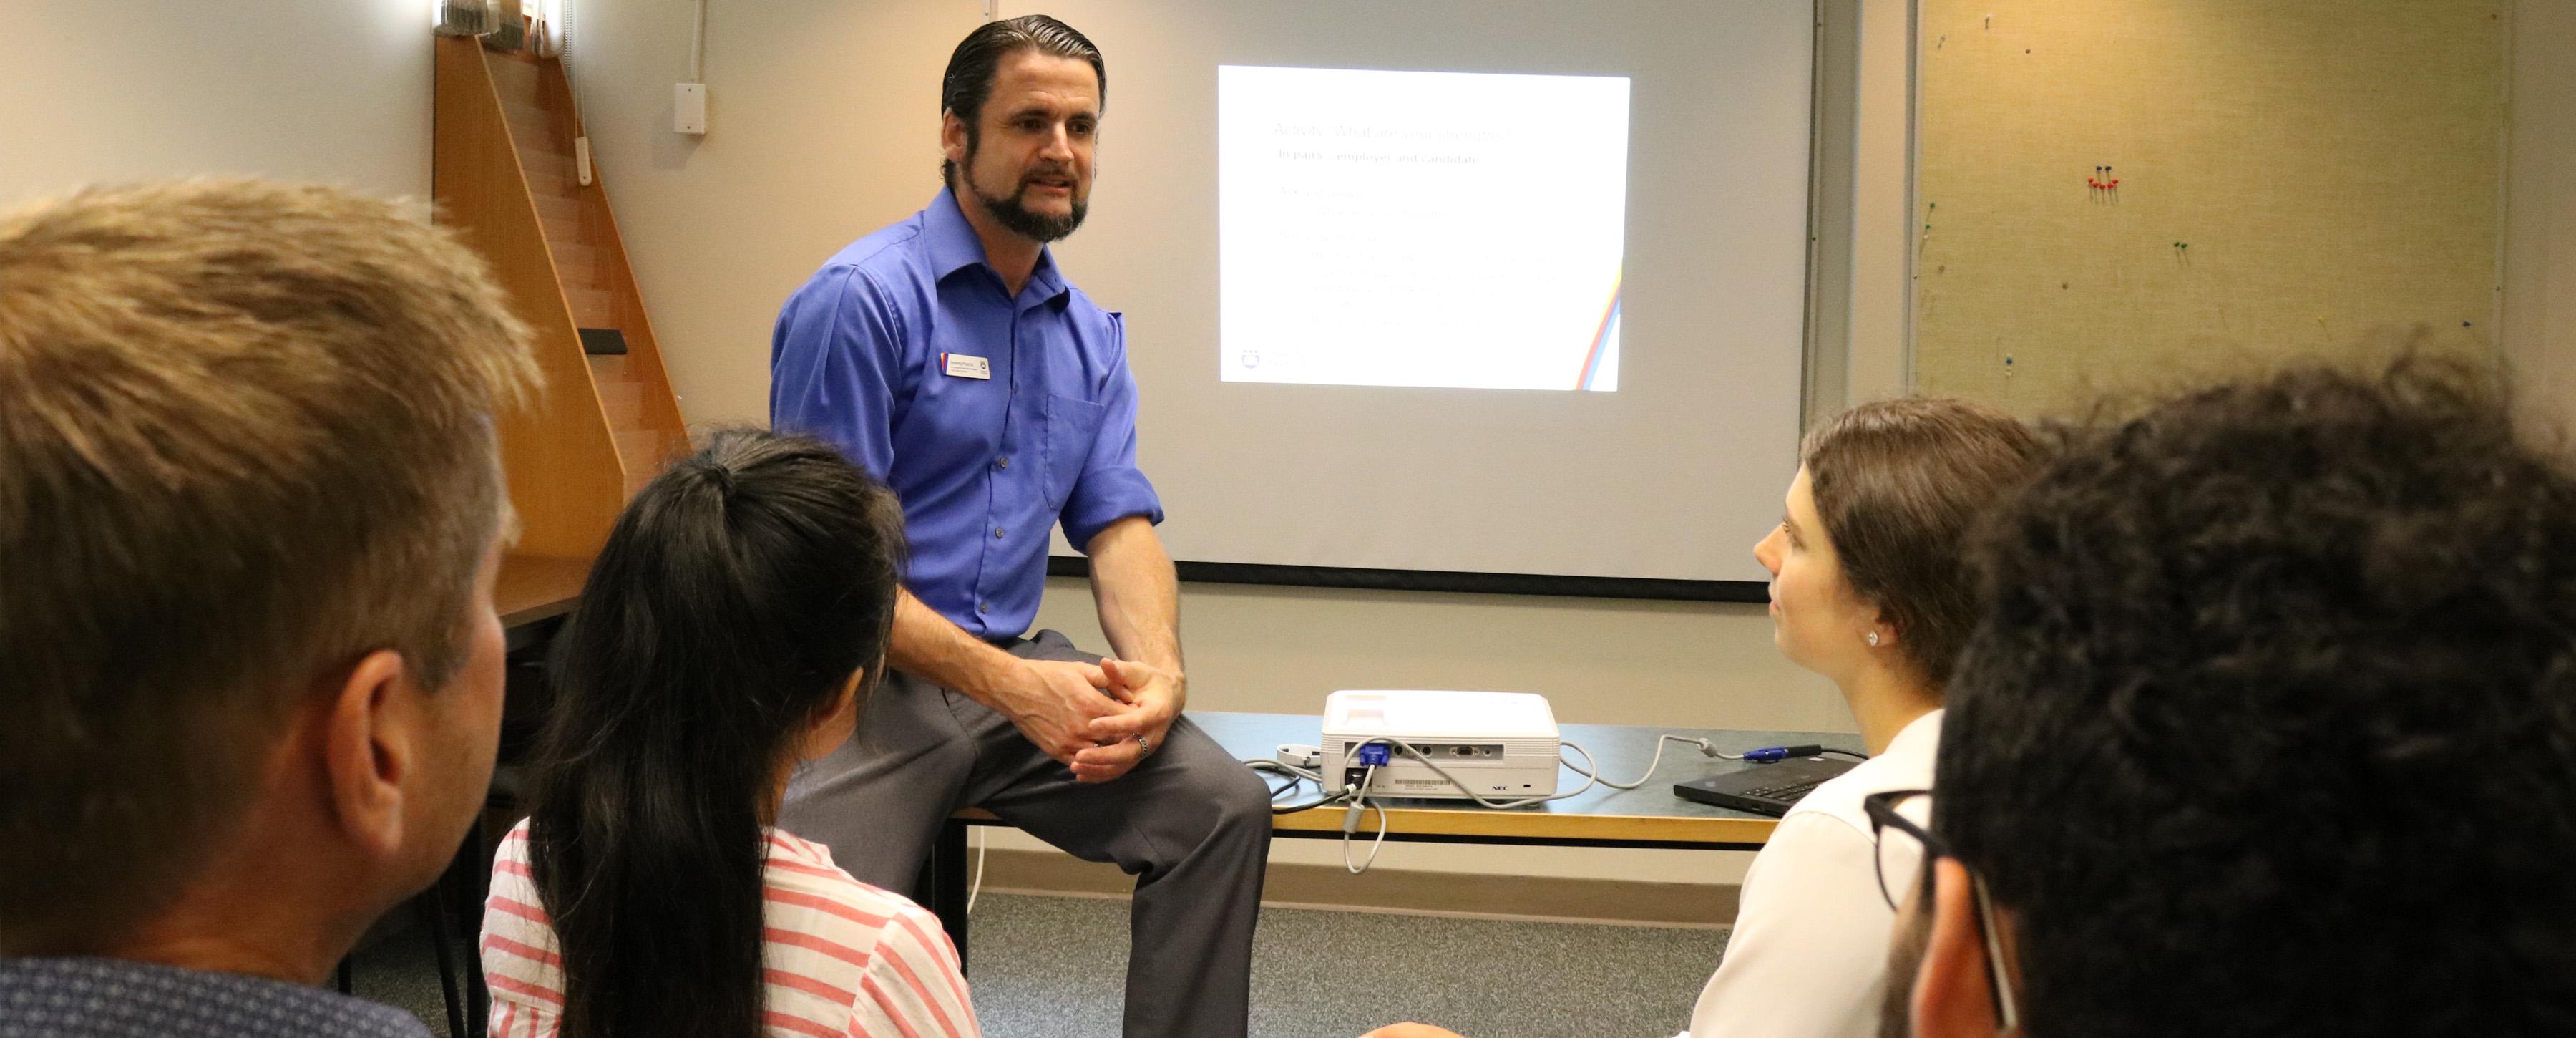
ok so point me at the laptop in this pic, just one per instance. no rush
(1767, 789)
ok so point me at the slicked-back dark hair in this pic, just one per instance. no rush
(737, 594)
(969, 79)
(2270, 725)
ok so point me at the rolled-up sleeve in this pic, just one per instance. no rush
(1111, 487)
(834, 364)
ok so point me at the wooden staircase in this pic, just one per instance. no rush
(590, 263)
(504, 178)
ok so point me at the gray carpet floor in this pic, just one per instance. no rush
(1056, 967)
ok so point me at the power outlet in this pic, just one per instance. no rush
(689, 108)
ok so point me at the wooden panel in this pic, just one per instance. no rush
(2297, 178)
(562, 466)
(1536, 827)
(1600, 814)
(534, 587)
(1384, 888)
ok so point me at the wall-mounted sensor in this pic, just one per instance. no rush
(689, 108)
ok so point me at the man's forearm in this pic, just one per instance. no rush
(1138, 594)
(928, 645)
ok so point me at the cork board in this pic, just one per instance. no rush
(2295, 178)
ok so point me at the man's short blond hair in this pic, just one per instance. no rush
(246, 437)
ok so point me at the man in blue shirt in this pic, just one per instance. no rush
(948, 356)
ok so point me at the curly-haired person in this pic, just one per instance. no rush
(2269, 729)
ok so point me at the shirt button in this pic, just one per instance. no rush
(983, 607)
(997, 531)
(1001, 463)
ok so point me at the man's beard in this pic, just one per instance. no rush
(1011, 214)
(1904, 961)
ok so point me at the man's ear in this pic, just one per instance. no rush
(952, 137)
(1952, 997)
(369, 748)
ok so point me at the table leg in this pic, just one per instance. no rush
(943, 884)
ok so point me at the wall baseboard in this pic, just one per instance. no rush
(1534, 898)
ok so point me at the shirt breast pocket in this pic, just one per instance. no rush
(1072, 424)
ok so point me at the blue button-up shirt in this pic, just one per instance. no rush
(870, 355)
(110, 998)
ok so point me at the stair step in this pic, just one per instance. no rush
(562, 191)
(642, 452)
(623, 399)
(591, 307)
(530, 126)
(561, 213)
(515, 80)
(564, 230)
(609, 367)
(546, 164)
(578, 266)
(571, 256)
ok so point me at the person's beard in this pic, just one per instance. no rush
(1904, 960)
(1011, 214)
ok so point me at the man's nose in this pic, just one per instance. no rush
(1059, 145)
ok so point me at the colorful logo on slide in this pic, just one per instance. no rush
(1601, 362)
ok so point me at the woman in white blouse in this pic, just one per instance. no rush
(1869, 587)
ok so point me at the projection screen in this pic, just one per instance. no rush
(1456, 286)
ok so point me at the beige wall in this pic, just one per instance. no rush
(2540, 210)
(721, 228)
(2330, 169)
(336, 91)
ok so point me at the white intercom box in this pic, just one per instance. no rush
(1501, 745)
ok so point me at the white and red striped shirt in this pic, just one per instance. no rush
(843, 958)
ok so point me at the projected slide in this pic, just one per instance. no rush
(1436, 229)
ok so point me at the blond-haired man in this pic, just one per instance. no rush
(250, 515)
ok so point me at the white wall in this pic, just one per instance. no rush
(2540, 211)
(721, 228)
(336, 91)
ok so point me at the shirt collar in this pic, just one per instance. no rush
(116, 997)
(1921, 735)
(953, 246)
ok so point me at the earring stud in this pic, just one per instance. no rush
(1873, 639)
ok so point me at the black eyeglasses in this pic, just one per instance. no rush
(1905, 849)
(1901, 842)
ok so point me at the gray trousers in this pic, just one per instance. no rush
(1191, 823)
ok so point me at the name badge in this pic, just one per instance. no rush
(963, 366)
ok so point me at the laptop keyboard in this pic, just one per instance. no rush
(1791, 791)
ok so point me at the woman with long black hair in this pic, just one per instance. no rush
(732, 628)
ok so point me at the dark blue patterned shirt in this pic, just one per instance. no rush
(113, 998)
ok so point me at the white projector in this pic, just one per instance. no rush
(1502, 745)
